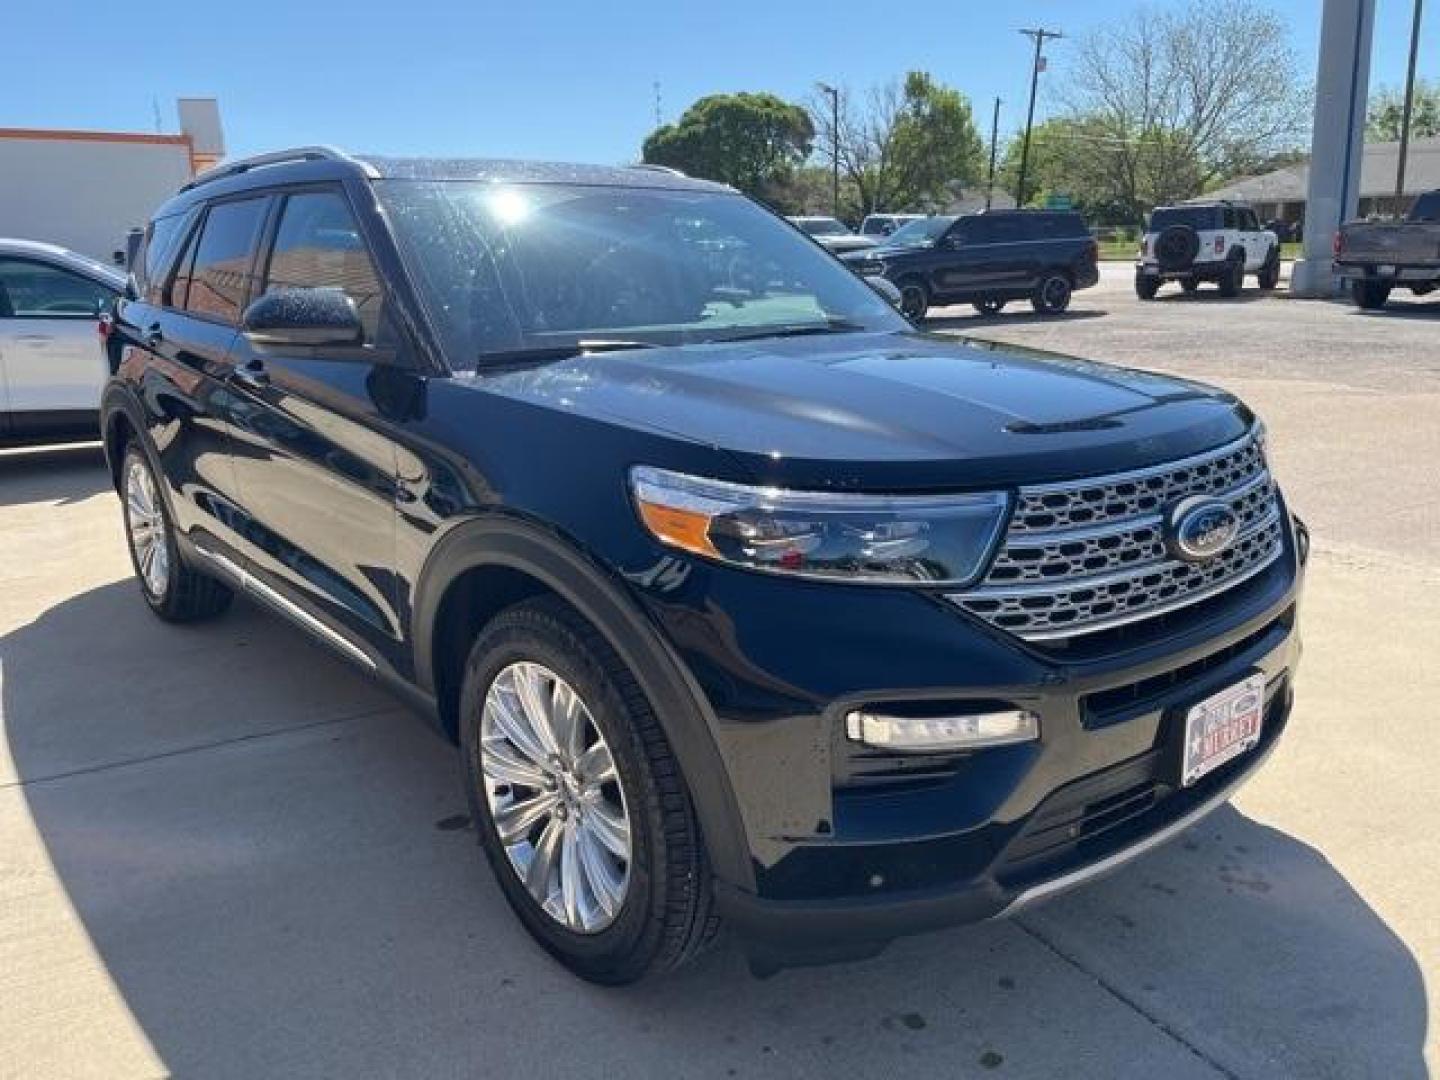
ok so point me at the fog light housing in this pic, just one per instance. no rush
(933, 734)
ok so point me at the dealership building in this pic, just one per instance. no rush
(85, 190)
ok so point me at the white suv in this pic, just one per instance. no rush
(52, 364)
(1218, 241)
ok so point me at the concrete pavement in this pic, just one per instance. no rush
(225, 853)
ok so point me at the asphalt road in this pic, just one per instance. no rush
(225, 853)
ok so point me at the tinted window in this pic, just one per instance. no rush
(220, 276)
(823, 227)
(1249, 221)
(160, 240)
(318, 245)
(921, 232)
(39, 291)
(1197, 217)
(996, 229)
(1427, 207)
(1055, 226)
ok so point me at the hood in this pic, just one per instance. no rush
(890, 411)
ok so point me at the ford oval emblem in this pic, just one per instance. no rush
(1200, 528)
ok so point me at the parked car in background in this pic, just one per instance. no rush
(880, 226)
(986, 260)
(832, 233)
(52, 367)
(1196, 242)
(743, 599)
(1375, 257)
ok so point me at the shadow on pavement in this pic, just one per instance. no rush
(55, 474)
(270, 858)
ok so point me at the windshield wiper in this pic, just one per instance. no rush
(539, 353)
(829, 326)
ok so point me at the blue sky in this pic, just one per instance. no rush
(567, 79)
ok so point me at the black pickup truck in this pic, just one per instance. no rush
(986, 260)
(1376, 256)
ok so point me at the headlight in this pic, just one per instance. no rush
(931, 539)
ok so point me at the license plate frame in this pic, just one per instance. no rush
(1220, 728)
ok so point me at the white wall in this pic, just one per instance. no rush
(84, 194)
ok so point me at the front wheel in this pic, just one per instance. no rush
(989, 306)
(1370, 295)
(1052, 294)
(1146, 286)
(578, 800)
(174, 590)
(1269, 275)
(1233, 279)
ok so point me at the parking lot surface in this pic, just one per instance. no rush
(225, 853)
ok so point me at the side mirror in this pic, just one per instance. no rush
(886, 288)
(304, 317)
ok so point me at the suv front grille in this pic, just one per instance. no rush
(1090, 555)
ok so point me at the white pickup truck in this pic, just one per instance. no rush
(1376, 256)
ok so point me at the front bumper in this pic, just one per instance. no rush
(850, 848)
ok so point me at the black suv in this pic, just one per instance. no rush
(742, 598)
(986, 259)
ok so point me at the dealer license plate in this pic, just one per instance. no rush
(1222, 727)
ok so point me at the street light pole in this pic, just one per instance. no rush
(994, 134)
(1405, 112)
(826, 88)
(1040, 35)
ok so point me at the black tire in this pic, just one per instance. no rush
(667, 913)
(1052, 294)
(1146, 286)
(1233, 279)
(1176, 248)
(1370, 295)
(989, 306)
(1269, 275)
(914, 298)
(180, 593)
(1190, 285)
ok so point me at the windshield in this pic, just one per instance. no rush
(822, 226)
(920, 233)
(514, 267)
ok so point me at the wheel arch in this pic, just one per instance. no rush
(497, 561)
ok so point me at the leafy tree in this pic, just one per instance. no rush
(1387, 109)
(751, 141)
(905, 146)
(1181, 97)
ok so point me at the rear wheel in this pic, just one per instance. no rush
(1233, 278)
(578, 800)
(989, 306)
(173, 589)
(914, 298)
(1146, 286)
(1370, 295)
(1190, 285)
(1269, 275)
(1052, 294)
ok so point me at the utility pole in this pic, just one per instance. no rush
(834, 94)
(1040, 36)
(994, 134)
(1405, 113)
(659, 123)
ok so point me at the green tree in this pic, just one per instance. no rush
(751, 141)
(905, 146)
(1387, 108)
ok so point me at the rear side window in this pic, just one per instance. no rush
(160, 240)
(33, 290)
(1003, 229)
(1058, 226)
(318, 245)
(217, 277)
(1427, 207)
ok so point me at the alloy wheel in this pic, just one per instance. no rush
(555, 798)
(145, 521)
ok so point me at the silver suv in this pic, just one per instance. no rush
(1217, 241)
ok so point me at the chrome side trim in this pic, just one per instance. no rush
(258, 589)
(1065, 882)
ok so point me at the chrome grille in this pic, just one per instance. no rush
(1090, 555)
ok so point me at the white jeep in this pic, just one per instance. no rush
(1215, 241)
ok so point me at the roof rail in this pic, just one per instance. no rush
(276, 157)
(650, 166)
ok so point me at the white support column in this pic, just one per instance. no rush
(1342, 85)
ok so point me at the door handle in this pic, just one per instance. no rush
(252, 375)
(153, 336)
